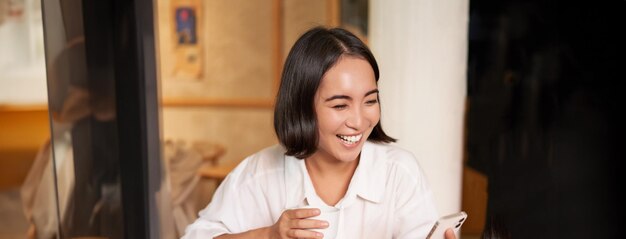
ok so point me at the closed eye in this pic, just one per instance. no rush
(340, 106)
(371, 102)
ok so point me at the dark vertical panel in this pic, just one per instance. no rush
(103, 95)
(103, 137)
(138, 116)
(144, 10)
(544, 118)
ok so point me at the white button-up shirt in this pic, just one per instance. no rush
(388, 196)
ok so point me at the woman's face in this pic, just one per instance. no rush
(346, 104)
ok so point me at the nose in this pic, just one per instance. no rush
(356, 118)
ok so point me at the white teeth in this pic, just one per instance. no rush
(351, 139)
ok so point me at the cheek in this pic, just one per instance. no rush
(373, 115)
(329, 120)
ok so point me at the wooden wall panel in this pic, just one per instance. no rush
(22, 132)
(474, 201)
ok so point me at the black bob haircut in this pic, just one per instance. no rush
(313, 54)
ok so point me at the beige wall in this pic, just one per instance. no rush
(298, 16)
(242, 131)
(236, 51)
(243, 46)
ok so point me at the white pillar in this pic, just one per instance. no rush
(421, 48)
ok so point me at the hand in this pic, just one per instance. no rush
(293, 223)
(450, 234)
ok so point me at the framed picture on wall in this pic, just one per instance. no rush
(188, 48)
(186, 27)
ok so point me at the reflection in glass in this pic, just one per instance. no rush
(83, 124)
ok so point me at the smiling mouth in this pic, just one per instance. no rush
(350, 139)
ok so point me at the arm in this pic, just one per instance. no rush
(223, 214)
(239, 206)
(415, 216)
(415, 210)
(256, 233)
(291, 224)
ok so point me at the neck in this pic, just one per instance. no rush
(330, 177)
(329, 167)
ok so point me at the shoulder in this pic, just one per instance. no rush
(266, 163)
(397, 159)
(267, 156)
(394, 155)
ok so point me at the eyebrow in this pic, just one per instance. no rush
(334, 97)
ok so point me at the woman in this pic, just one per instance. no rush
(332, 154)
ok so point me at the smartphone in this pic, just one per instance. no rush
(453, 221)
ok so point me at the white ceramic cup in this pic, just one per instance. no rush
(331, 215)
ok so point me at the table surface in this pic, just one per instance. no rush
(218, 172)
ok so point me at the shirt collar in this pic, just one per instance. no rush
(368, 181)
(370, 174)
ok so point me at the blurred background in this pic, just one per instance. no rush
(118, 119)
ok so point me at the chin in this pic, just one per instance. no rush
(349, 156)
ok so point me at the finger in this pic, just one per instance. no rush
(304, 234)
(307, 223)
(303, 213)
(450, 234)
